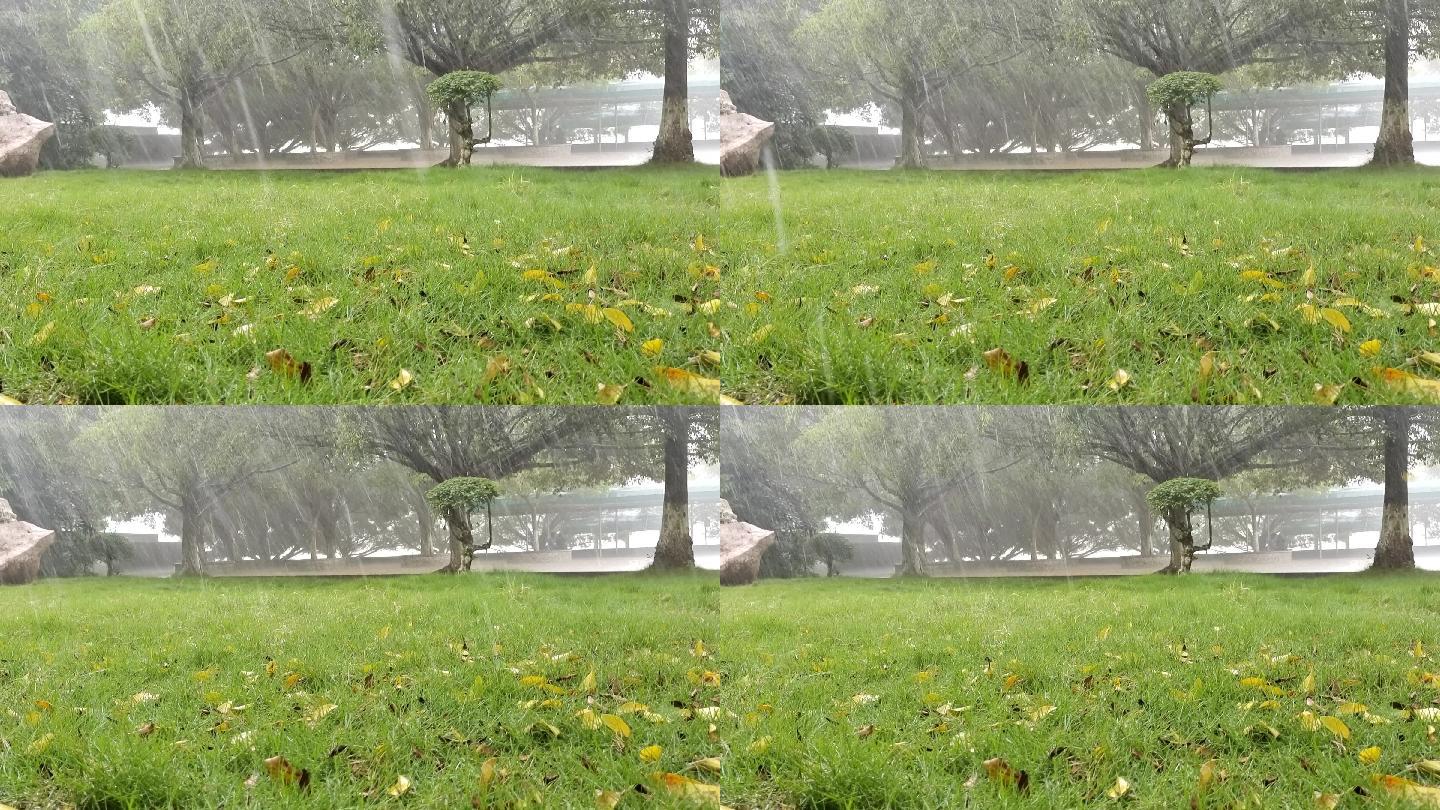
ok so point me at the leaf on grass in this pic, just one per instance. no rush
(652, 347)
(4, 400)
(1335, 318)
(319, 307)
(1370, 348)
(999, 361)
(283, 772)
(1002, 773)
(1409, 383)
(1119, 379)
(1327, 394)
(618, 318)
(1414, 791)
(1369, 756)
(401, 786)
(281, 362)
(607, 394)
(1335, 726)
(43, 333)
(651, 753)
(689, 382)
(616, 724)
(681, 785)
(1119, 789)
(607, 799)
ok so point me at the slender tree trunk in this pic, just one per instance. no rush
(192, 136)
(911, 156)
(1395, 145)
(462, 134)
(1182, 541)
(1396, 551)
(1147, 533)
(427, 534)
(192, 538)
(675, 143)
(912, 543)
(462, 540)
(676, 550)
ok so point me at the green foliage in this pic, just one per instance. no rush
(75, 552)
(1184, 493)
(1185, 88)
(464, 493)
(465, 87)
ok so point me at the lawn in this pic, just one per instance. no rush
(1212, 285)
(501, 690)
(1209, 692)
(493, 285)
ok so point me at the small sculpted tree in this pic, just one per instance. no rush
(1177, 95)
(457, 499)
(457, 93)
(1175, 501)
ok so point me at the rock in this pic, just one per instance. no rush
(20, 139)
(741, 547)
(742, 137)
(21, 545)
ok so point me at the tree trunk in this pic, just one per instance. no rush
(192, 155)
(1395, 551)
(1182, 136)
(675, 143)
(910, 137)
(912, 543)
(192, 539)
(675, 549)
(1182, 541)
(1395, 145)
(1147, 532)
(462, 134)
(427, 534)
(462, 540)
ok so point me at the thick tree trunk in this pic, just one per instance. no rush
(462, 539)
(675, 143)
(192, 538)
(462, 134)
(912, 543)
(1395, 145)
(192, 136)
(911, 156)
(675, 549)
(1396, 551)
(1182, 136)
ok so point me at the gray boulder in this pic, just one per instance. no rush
(21, 545)
(742, 138)
(741, 547)
(21, 137)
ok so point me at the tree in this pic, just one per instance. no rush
(1176, 501)
(766, 75)
(442, 443)
(444, 36)
(456, 93)
(685, 27)
(459, 497)
(1178, 94)
(902, 52)
(1395, 549)
(1212, 443)
(687, 434)
(182, 459)
(1202, 36)
(180, 53)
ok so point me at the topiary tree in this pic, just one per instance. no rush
(455, 499)
(1175, 501)
(1176, 95)
(456, 93)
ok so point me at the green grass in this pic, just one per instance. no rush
(423, 674)
(1147, 678)
(130, 287)
(892, 286)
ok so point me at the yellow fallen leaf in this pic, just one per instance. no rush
(1335, 318)
(607, 799)
(651, 753)
(1335, 726)
(619, 318)
(1370, 348)
(319, 307)
(682, 785)
(43, 334)
(1409, 383)
(402, 380)
(689, 382)
(1119, 379)
(652, 347)
(615, 724)
(401, 786)
(1119, 789)
(608, 394)
(1327, 394)
(1414, 791)
(1369, 756)
(4, 400)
